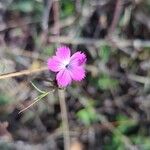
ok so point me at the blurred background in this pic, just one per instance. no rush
(110, 108)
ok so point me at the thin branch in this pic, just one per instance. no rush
(24, 72)
(75, 41)
(115, 20)
(89, 41)
(140, 79)
(48, 5)
(56, 30)
(132, 77)
(136, 78)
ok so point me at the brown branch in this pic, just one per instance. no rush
(115, 20)
(56, 30)
(89, 41)
(21, 73)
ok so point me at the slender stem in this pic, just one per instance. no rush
(64, 116)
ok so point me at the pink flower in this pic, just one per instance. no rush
(68, 67)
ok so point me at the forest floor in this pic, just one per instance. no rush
(110, 108)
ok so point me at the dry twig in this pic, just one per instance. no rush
(24, 72)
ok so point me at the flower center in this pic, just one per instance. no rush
(66, 64)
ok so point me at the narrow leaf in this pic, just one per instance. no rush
(37, 88)
(35, 101)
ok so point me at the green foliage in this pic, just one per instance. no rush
(117, 138)
(4, 100)
(67, 8)
(93, 81)
(115, 142)
(105, 82)
(27, 6)
(125, 123)
(142, 141)
(48, 50)
(104, 53)
(88, 114)
(24, 6)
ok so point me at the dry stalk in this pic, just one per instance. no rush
(64, 116)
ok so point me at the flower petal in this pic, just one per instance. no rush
(54, 64)
(63, 52)
(78, 58)
(77, 73)
(63, 78)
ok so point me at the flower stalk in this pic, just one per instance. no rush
(64, 117)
